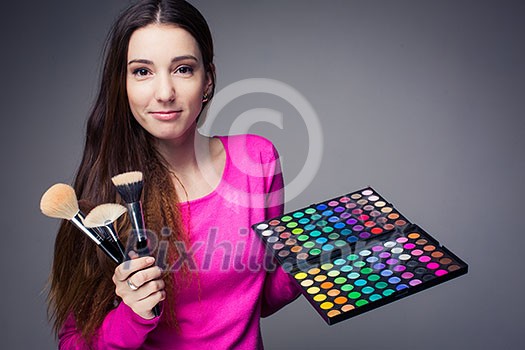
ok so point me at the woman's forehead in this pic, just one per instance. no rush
(161, 42)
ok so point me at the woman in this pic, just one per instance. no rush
(158, 76)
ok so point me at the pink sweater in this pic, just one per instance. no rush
(231, 290)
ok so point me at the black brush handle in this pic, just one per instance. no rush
(111, 234)
(121, 249)
(94, 236)
(156, 310)
(111, 250)
(137, 223)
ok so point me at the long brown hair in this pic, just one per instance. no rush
(81, 275)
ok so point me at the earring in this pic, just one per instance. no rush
(205, 97)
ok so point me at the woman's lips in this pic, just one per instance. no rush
(165, 115)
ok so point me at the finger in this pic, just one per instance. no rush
(141, 277)
(146, 305)
(132, 256)
(131, 297)
(150, 288)
(126, 269)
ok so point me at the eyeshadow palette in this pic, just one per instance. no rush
(370, 270)
(301, 237)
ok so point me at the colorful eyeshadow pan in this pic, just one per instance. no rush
(340, 295)
(303, 236)
(343, 267)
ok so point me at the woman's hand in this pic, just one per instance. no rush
(138, 282)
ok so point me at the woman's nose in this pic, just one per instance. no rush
(165, 89)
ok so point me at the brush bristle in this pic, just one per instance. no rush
(126, 178)
(104, 214)
(59, 201)
(129, 185)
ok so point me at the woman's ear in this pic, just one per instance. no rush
(210, 81)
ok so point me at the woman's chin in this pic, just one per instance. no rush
(176, 136)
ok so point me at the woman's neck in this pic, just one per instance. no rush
(180, 154)
(197, 161)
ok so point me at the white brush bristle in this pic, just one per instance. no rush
(127, 178)
(104, 214)
(59, 201)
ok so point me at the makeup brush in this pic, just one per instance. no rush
(60, 202)
(103, 217)
(129, 186)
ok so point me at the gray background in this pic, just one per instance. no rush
(424, 100)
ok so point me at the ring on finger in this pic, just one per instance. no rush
(131, 285)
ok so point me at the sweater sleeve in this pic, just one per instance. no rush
(121, 329)
(279, 287)
(274, 184)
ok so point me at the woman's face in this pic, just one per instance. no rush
(165, 80)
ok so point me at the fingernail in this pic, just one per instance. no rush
(150, 260)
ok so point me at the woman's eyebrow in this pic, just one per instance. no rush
(139, 60)
(174, 60)
(184, 57)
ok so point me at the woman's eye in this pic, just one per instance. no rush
(141, 72)
(184, 70)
